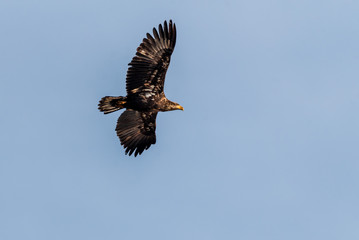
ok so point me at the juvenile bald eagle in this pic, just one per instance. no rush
(144, 85)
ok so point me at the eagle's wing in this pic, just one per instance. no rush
(148, 68)
(136, 130)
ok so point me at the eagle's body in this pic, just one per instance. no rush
(144, 85)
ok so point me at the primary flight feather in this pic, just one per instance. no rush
(136, 127)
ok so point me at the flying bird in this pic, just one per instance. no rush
(136, 127)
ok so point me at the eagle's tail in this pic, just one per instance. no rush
(111, 104)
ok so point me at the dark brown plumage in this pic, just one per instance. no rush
(144, 85)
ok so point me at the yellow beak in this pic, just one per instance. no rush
(180, 107)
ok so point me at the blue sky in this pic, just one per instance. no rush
(266, 148)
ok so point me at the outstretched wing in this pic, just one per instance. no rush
(136, 130)
(148, 68)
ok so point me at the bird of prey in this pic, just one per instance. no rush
(144, 86)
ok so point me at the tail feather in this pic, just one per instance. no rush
(111, 104)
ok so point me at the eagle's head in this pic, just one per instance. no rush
(170, 106)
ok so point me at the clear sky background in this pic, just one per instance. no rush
(266, 148)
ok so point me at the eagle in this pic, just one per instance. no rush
(145, 79)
